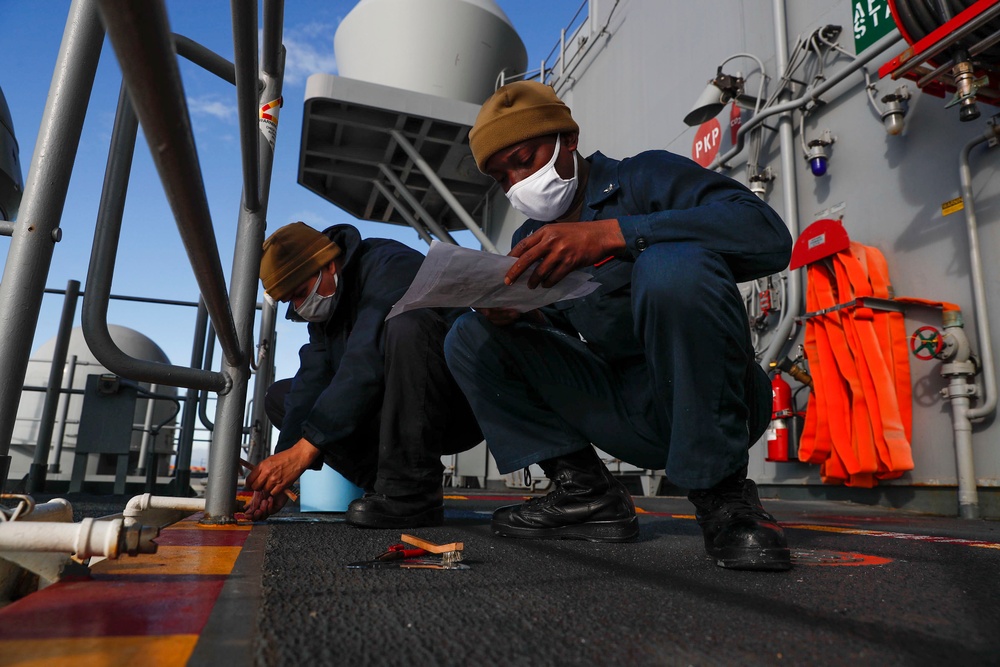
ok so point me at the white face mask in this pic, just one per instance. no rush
(317, 308)
(545, 195)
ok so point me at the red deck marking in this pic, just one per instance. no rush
(139, 605)
(171, 592)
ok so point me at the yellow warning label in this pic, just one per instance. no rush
(952, 206)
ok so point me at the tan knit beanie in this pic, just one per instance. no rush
(292, 255)
(519, 111)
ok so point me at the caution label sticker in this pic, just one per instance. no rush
(952, 205)
(268, 120)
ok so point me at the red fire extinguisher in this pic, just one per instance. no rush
(781, 410)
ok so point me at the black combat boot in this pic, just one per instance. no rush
(588, 503)
(377, 510)
(739, 534)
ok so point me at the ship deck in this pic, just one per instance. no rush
(870, 586)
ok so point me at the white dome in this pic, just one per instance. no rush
(131, 342)
(448, 48)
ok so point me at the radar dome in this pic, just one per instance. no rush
(448, 48)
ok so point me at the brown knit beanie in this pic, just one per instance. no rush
(292, 255)
(519, 111)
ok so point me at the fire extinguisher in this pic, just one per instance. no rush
(781, 410)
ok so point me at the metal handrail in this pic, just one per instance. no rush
(140, 35)
(106, 236)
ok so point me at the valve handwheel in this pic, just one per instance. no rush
(926, 343)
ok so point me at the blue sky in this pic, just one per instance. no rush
(152, 261)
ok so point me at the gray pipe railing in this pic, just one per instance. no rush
(31, 247)
(46, 426)
(260, 425)
(185, 446)
(140, 35)
(245, 33)
(205, 58)
(102, 259)
(220, 495)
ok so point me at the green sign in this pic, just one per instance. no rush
(872, 21)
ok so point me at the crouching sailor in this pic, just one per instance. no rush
(373, 399)
(656, 367)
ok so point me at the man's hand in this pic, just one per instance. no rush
(563, 247)
(279, 471)
(262, 505)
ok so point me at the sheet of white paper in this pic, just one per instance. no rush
(452, 276)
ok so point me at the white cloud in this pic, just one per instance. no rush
(212, 106)
(308, 50)
(311, 218)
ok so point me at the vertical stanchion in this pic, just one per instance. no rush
(185, 446)
(37, 228)
(220, 496)
(36, 474)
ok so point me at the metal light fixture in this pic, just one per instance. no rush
(896, 106)
(817, 153)
(717, 94)
(724, 89)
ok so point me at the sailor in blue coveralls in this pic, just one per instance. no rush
(656, 367)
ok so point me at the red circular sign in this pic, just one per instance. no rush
(706, 142)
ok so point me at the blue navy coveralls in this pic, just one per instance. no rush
(375, 396)
(655, 367)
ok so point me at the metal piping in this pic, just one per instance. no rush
(30, 254)
(159, 510)
(147, 430)
(989, 404)
(205, 58)
(261, 426)
(401, 188)
(443, 190)
(811, 94)
(182, 466)
(790, 197)
(54, 460)
(46, 425)
(88, 538)
(140, 34)
(244, 18)
(220, 495)
(102, 260)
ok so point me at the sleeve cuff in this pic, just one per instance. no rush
(637, 233)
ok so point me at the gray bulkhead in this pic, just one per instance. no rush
(634, 84)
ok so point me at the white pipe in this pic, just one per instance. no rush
(147, 501)
(790, 195)
(147, 428)
(57, 509)
(989, 403)
(85, 539)
(55, 460)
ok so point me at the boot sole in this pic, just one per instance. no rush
(759, 560)
(432, 517)
(591, 531)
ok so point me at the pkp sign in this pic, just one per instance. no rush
(707, 140)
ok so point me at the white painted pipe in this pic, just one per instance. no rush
(147, 430)
(85, 539)
(989, 398)
(790, 197)
(57, 509)
(147, 501)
